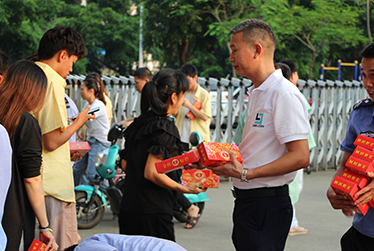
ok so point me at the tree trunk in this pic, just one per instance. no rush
(312, 64)
(368, 19)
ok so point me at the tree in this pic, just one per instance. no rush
(323, 24)
(111, 37)
(176, 28)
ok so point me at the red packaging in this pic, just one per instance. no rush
(198, 106)
(345, 187)
(81, 147)
(348, 189)
(358, 179)
(37, 246)
(363, 208)
(363, 153)
(358, 165)
(371, 203)
(192, 176)
(177, 162)
(365, 142)
(217, 154)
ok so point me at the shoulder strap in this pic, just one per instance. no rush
(363, 103)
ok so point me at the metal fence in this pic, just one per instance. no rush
(331, 103)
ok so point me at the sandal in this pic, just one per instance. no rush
(297, 231)
(192, 221)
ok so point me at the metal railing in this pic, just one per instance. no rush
(331, 103)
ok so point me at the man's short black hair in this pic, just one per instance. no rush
(286, 71)
(4, 62)
(61, 38)
(189, 70)
(256, 30)
(143, 73)
(368, 51)
(290, 64)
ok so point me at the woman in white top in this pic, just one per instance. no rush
(97, 132)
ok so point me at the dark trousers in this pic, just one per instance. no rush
(261, 223)
(183, 201)
(353, 240)
(156, 225)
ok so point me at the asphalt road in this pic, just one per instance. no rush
(213, 231)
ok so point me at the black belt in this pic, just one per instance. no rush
(260, 192)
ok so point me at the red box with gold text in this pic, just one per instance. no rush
(81, 147)
(359, 179)
(198, 106)
(177, 162)
(37, 246)
(195, 175)
(217, 154)
(364, 154)
(365, 142)
(359, 165)
(348, 189)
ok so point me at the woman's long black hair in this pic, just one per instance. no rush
(157, 92)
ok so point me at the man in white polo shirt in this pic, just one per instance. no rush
(274, 143)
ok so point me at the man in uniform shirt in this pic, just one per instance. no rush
(361, 235)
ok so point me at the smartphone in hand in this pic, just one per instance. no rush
(91, 111)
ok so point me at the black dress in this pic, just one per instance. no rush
(146, 208)
(19, 216)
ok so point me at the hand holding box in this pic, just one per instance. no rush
(217, 154)
(198, 106)
(37, 246)
(348, 189)
(81, 147)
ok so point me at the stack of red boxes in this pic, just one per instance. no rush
(354, 177)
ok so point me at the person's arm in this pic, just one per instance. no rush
(296, 158)
(198, 114)
(126, 122)
(338, 201)
(56, 138)
(35, 193)
(124, 165)
(162, 180)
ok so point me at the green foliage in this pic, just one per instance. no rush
(310, 32)
(106, 26)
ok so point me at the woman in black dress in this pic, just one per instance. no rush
(22, 91)
(147, 203)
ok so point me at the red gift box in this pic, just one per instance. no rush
(357, 178)
(217, 154)
(358, 165)
(348, 189)
(192, 176)
(81, 147)
(345, 187)
(364, 154)
(198, 106)
(371, 203)
(177, 162)
(365, 142)
(37, 246)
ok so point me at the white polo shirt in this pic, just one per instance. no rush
(276, 115)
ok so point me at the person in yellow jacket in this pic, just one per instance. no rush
(198, 119)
